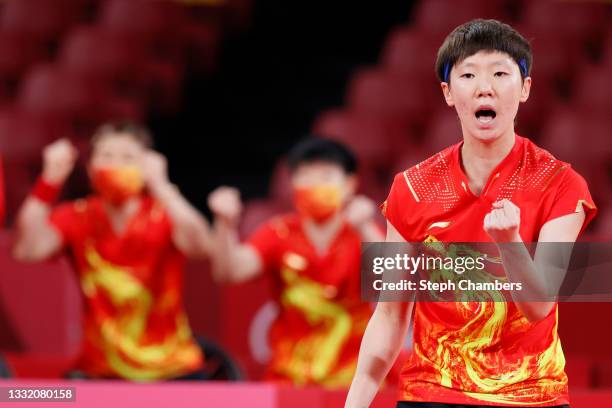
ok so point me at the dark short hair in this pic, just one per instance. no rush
(136, 131)
(316, 149)
(482, 35)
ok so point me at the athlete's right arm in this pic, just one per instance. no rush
(35, 238)
(232, 261)
(381, 344)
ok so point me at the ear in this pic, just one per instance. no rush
(447, 94)
(525, 89)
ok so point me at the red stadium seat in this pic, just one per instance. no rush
(373, 184)
(19, 181)
(593, 90)
(600, 185)
(555, 58)
(23, 135)
(145, 17)
(94, 52)
(440, 17)
(443, 131)
(36, 365)
(411, 52)
(43, 21)
(22, 138)
(374, 138)
(97, 55)
(374, 141)
(358, 132)
(532, 114)
(18, 53)
(606, 50)
(122, 62)
(604, 218)
(159, 23)
(581, 23)
(579, 137)
(47, 290)
(51, 91)
(392, 96)
(412, 156)
(578, 134)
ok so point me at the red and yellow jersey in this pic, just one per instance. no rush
(316, 338)
(484, 352)
(134, 323)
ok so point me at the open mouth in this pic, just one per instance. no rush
(485, 115)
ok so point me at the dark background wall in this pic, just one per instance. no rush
(293, 61)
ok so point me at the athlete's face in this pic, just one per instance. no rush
(117, 150)
(115, 168)
(322, 173)
(486, 89)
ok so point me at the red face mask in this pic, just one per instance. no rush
(318, 203)
(117, 184)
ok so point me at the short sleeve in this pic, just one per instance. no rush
(395, 207)
(572, 196)
(64, 219)
(265, 240)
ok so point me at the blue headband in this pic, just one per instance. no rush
(446, 72)
(522, 66)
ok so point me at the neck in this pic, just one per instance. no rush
(479, 158)
(321, 234)
(124, 209)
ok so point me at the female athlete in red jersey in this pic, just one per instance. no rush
(494, 186)
(128, 247)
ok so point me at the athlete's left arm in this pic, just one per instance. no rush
(542, 275)
(191, 232)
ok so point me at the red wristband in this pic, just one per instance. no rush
(45, 191)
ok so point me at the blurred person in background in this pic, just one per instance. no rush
(312, 258)
(128, 241)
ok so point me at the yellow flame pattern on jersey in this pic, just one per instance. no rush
(123, 337)
(468, 359)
